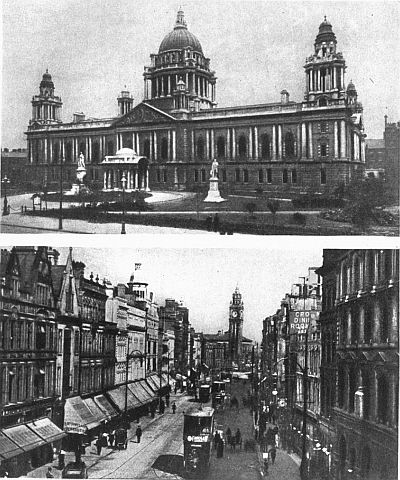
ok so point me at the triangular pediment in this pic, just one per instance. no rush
(142, 114)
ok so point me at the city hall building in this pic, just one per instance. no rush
(170, 138)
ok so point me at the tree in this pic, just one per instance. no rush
(251, 208)
(273, 207)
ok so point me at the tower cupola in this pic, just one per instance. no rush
(180, 57)
(46, 107)
(325, 69)
(125, 102)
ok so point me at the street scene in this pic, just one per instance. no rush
(182, 150)
(271, 364)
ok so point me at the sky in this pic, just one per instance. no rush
(205, 279)
(93, 48)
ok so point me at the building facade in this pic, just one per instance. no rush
(286, 147)
(366, 408)
(28, 359)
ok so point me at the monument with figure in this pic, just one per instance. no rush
(79, 187)
(213, 191)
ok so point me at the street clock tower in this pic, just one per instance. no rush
(236, 327)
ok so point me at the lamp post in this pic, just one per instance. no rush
(60, 218)
(123, 181)
(5, 181)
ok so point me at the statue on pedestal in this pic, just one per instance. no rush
(214, 169)
(81, 170)
(213, 195)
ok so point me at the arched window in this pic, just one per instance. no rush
(367, 394)
(265, 146)
(383, 399)
(352, 387)
(365, 463)
(324, 149)
(82, 148)
(371, 267)
(384, 320)
(368, 321)
(289, 145)
(56, 152)
(356, 273)
(322, 102)
(146, 148)
(354, 325)
(352, 459)
(323, 176)
(110, 147)
(164, 148)
(68, 152)
(200, 147)
(269, 175)
(242, 146)
(96, 152)
(220, 147)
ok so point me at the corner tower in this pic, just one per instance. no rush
(325, 69)
(236, 327)
(46, 107)
(179, 76)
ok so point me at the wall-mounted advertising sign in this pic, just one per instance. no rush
(300, 320)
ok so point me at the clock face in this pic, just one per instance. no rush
(234, 314)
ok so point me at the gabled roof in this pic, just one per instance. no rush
(57, 275)
(143, 113)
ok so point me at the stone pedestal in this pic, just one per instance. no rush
(213, 195)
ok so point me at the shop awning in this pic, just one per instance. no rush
(78, 418)
(108, 410)
(96, 411)
(139, 399)
(24, 437)
(164, 378)
(47, 430)
(8, 448)
(140, 393)
(154, 382)
(150, 392)
(120, 395)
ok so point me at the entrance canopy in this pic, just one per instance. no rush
(126, 163)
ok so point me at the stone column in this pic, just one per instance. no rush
(137, 143)
(273, 142)
(342, 139)
(30, 147)
(256, 143)
(90, 149)
(136, 179)
(303, 140)
(169, 85)
(363, 150)
(147, 188)
(250, 143)
(169, 145)
(233, 143)
(192, 145)
(50, 150)
(212, 144)
(207, 143)
(279, 141)
(335, 139)
(310, 140)
(62, 154)
(105, 180)
(334, 78)
(155, 145)
(151, 145)
(46, 157)
(173, 145)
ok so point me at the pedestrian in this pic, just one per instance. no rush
(175, 388)
(272, 452)
(99, 444)
(209, 222)
(111, 438)
(228, 435)
(217, 438)
(162, 406)
(49, 473)
(174, 407)
(138, 433)
(220, 448)
(167, 399)
(238, 438)
(61, 459)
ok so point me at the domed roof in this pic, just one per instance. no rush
(46, 80)
(325, 33)
(180, 37)
(351, 87)
(125, 151)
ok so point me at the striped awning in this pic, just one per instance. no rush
(25, 438)
(8, 448)
(47, 430)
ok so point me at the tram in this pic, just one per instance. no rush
(198, 430)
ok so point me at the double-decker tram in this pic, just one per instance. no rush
(198, 430)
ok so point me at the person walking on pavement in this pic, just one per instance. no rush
(111, 438)
(228, 436)
(61, 460)
(238, 438)
(167, 399)
(49, 473)
(174, 407)
(99, 444)
(220, 448)
(138, 433)
(272, 453)
(217, 439)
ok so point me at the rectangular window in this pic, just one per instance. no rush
(203, 175)
(196, 176)
(323, 176)
(260, 176)
(237, 175)
(165, 176)
(269, 175)
(245, 176)
(324, 149)
(285, 176)
(223, 171)
(294, 176)
(324, 127)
